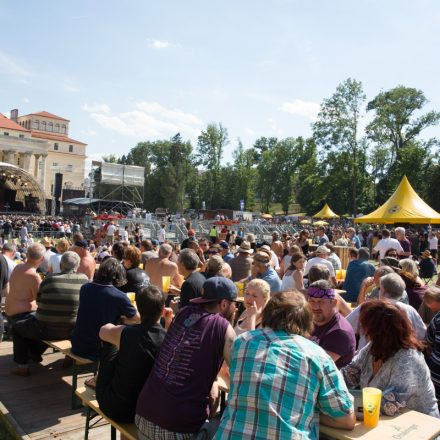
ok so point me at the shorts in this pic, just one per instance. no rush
(147, 430)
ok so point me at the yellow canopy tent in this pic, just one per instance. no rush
(326, 212)
(320, 223)
(305, 222)
(404, 206)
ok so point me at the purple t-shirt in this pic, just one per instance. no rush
(406, 245)
(176, 393)
(338, 337)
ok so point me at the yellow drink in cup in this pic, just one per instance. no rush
(131, 297)
(371, 398)
(166, 282)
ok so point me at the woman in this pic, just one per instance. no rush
(293, 279)
(282, 384)
(54, 261)
(136, 277)
(415, 288)
(285, 262)
(392, 361)
(303, 242)
(257, 295)
(391, 253)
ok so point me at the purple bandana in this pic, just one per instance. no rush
(316, 292)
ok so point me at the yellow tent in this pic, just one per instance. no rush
(320, 223)
(404, 206)
(326, 212)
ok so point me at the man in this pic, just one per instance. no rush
(161, 235)
(124, 234)
(195, 346)
(226, 252)
(128, 356)
(357, 271)
(7, 229)
(353, 238)
(157, 268)
(277, 245)
(191, 233)
(44, 266)
(147, 250)
(4, 286)
(204, 246)
(9, 251)
(331, 331)
(404, 242)
(23, 232)
(321, 253)
(385, 243)
(264, 271)
(192, 287)
(58, 301)
(241, 265)
(392, 288)
(320, 237)
(87, 264)
(333, 257)
(110, 233)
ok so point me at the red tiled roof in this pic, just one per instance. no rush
(55, 137)
(9, 124)
(45, 114)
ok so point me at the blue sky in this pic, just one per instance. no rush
(124, 72)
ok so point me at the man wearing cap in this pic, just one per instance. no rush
(226, 252)
(331, 331)
(87, 264)
(191, 233)
(186, 368)
(44, 266)
(264, 271)
(241, 265)
(321, 258)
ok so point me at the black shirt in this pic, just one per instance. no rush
(136, 279)
(191, 288)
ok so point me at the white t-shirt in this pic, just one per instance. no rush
(288, 283)
(318, 260)
(276, 264)
(111, 230)
(11, 265)
(161, 235)
(124, 235)
(433, 243)
(387, 243)
(54, 263)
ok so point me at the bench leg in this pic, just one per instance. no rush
(88, 414)
(76, 403)
(112, 433)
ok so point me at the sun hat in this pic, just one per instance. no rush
(322, 250)
(245, 248)
(46, 242)
(215, 289)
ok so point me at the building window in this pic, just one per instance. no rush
(43, 125)
(36, 125)
(21, 136)
(55, 164)
(57, 128)
(69, 168)
(55, 147)
(70, 148)
(63, 129)
(50, 126)
(6, 133)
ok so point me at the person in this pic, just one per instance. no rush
(257, 295)
(392, 289)
(320, 237)
(303, 241)
(58, 301)
(161, 235)
(340, 238)
(392, 361)
(9, 251)
(264, 271)
(226, 252)
(427, 266)
(285, 262)
(129, 355)
(156, 268)
(293, 279)
(54, 261)
(333, 257)
(404, 242)
(124, 234)
(414, 286)
(374, 282)
(277, 245)
(385, 243)
(357, 271)
(353, 239)
(87, 265)
(44, 266)
(136, 277)
(321, 258)
(4, 287)
(331, 330)
(191, 233)
(275, 263)
(101, 302)
(433, 244)
(272, 365)
(192, 287)
(110, 233)
(147, 250)
(195, 346)
(241, 264)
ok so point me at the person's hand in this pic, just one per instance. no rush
(168, 314)
(174, 290)
(368, 281)
(253, 310)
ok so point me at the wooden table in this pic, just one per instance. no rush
(410, 425)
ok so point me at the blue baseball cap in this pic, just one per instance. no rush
(216, 289)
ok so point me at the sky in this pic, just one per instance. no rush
(126, 72)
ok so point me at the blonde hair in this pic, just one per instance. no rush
(432, 293)
(62, 246)
(409, 265)
(261, 287)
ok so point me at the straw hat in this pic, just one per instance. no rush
(46, 242)
(245, 248)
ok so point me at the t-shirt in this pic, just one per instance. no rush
(357, 271)
(54, 263)
(338, 337)
(387, 243)
(406, 245)
(241, 266)
(318, 260)
(99, 304)
(191, 288)
(111, 230)
(433, 243)
(184, 371)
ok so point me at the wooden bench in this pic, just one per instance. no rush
(78, 365)
(88, 398)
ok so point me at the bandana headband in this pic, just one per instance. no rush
(316, 292)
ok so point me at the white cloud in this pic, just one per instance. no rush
(10, 67)
(298, 107)
(69, 88)
(159, 44)
(146, 120)
(274, 126)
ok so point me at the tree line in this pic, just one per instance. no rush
(357, 154)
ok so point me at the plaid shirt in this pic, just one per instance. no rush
(279, 384)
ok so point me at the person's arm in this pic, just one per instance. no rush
(111, 333)
(298, 277)
(333, 355)
(366, 284)
(229, 339)
(343, 307)
(345, 422)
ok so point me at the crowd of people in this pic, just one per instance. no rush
(273, 320)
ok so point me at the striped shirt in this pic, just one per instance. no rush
(58, 298)
(279, 385)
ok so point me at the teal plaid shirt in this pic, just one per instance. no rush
(279, 384)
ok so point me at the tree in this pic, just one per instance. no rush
(337, 127)
(395, 124)
(244, 176)
(211, 145)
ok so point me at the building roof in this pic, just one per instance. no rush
(45, 114)
(54, 137)
(10, 124)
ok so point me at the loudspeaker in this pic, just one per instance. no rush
(58, 185)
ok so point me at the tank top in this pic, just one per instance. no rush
(288, 283)
(176, 393)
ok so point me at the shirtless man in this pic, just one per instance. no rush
(277, 245)
(87, 265)
(156, 268)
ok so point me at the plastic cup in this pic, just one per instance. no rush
(131, 297)
(166, 282)
(371, 398)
